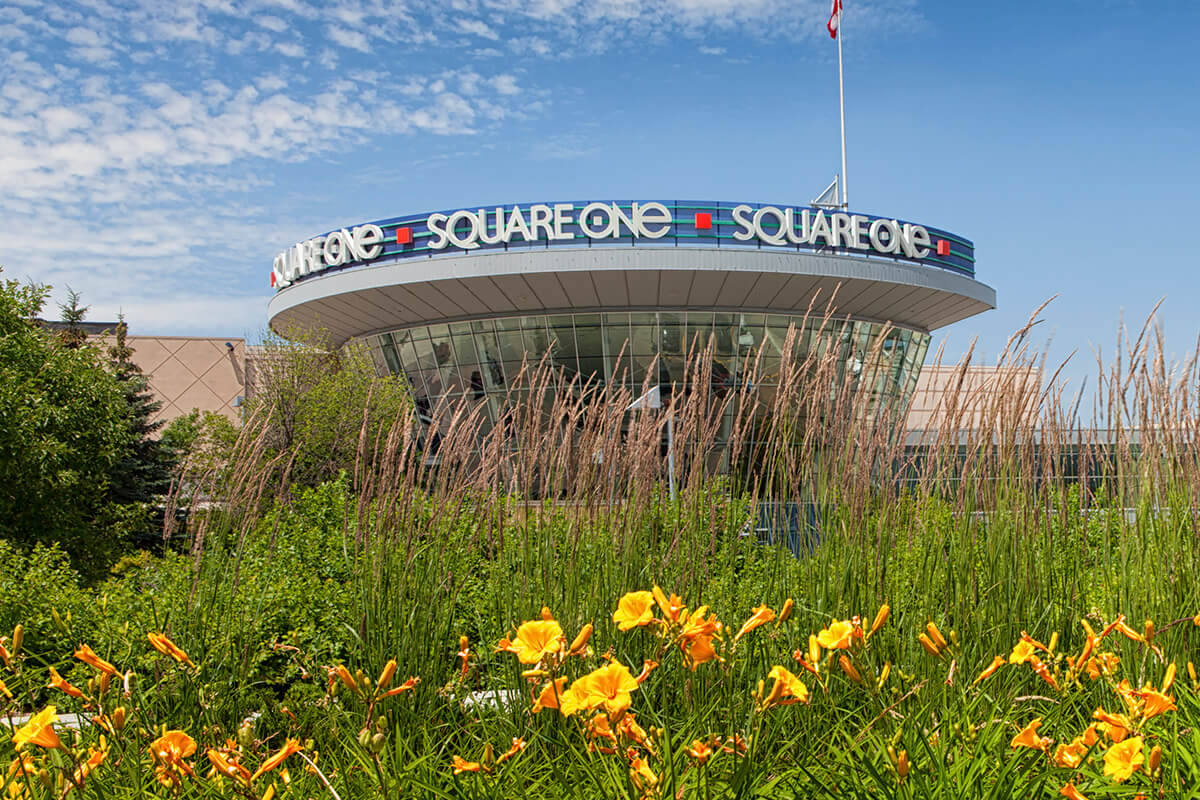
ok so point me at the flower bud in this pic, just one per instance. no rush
(1192, 672)
(58, 622)
(105, 680)
(377, 743)
(786, 611)
(346, 678)
(389, 671)
(577, 647)
(118, 719)
(1053, 642)
(881, 616)
(935, 636)
(902, 765)
(883, 674)
(850, 670)
(18, 638)
(1155, 760)
(1169, 678)
(1148, 629)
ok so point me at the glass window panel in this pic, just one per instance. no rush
(536, 342)
(590, 347)
(508, 324)
(460, 327)
(390, 357)
(644, 339)
(562, 340)
(512, 347)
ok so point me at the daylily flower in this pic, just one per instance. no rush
(1042, 671)
(1123, 759)
(407, 686)
(39, 730)
(642, 776)
(787, 689)
(461, 765)
(169, 752)
(1070, 755)
(4, 690)
(1025, 637)
(699, 651)
(762, 615)
(290, 747)
(89, 657)
(1089, 736)
(1071, 793)
(230, 769)
(536, 640)
(672, 607)
(990, 670)
(837, 636)
(1155, 703)
(609, 687)
(95, 758)
(634, 610)
(1115, 726)
(518, 744)
(168, 648)
(57, 682)
(700, 751)
(1021, 653)
(648, 666)
(902, 765)
(550, 694)
(1028, 737)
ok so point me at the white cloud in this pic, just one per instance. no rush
(712, 51)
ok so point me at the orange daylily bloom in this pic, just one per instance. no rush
(89, 657)
(700, 751)
(1071, 793)
(536, 640)
(1089, 736)
(762, 615)
(786, 689)
(518, 744)
(461, 765)
(1042, 671)
(1155, 703)
(700, 650)
(990, 670)
(902, 765)
(1123, 759)
(1070, 755)
(290, 747)
(168, 648)
(39, 730)
(671, 606)
(169, 752)
(407, 686)
(648, 666)
(1021, 652)
(1028, 737)
(634, 610)
(1025, 637)
(837, 636)
(230, 769)
(95, 758)
(608, 686)
(57, 682)
(642, 776)
(1116, 726)
(550, 694)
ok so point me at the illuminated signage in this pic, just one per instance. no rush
(600, 222)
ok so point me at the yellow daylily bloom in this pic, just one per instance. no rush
(536, 640)
(1155, 703)
(550, 694)
(461, 765)
(786, 689)
(837, 636)
(1070, 755)
(1022, 652)
(634, 610)
(609, 687)
(1123, 759)
(39, 730)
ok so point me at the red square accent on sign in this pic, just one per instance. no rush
(703, 221)
(943, 247)
(403, 235)
(272, 279)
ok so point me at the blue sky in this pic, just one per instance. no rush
(156, 156)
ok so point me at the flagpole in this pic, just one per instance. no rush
(842, 101)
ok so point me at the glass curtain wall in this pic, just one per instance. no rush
(483, 359)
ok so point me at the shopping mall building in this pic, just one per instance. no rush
(457, 300)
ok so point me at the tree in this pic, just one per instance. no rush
(73, 334)
(145, 473)
(64, 427)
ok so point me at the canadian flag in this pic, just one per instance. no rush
(835, 17)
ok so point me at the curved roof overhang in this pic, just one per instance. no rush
(384, 296)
